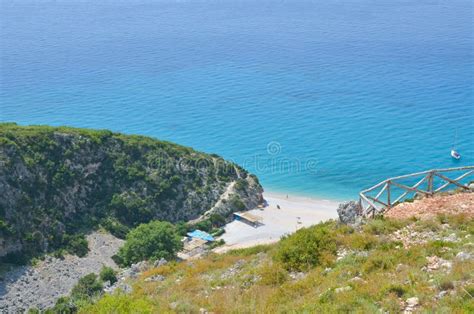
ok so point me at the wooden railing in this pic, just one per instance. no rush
(386, 194)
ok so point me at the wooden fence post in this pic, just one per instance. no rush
(430, 182)
(388, 194)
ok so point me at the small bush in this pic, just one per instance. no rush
(182, 228)
(217, 232)
(115, 227)
(64, 305)
(378, 261)
(217, 220)
(59, 254)
(307, 248)
(216, 243)
(108, 274)
(204, 225)
(241, 185)
(398, 290)
(237, 203)
(77, 244)
(273, 275)
(446, 285)
(87, 287)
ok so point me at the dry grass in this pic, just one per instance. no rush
(380, 273)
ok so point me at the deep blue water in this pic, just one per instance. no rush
(346, 92)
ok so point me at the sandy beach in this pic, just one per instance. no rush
(295, 212)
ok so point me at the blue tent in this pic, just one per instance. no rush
(201, 235)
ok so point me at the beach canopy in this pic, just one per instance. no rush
(255, 219)
(201, 235)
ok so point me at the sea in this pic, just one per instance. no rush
(317, 98)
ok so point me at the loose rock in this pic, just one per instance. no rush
(343, 289)
(463, 256)
(350, 212)
(160, 262)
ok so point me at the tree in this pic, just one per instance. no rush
(153, 240)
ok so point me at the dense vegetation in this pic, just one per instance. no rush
(150, 241)
(56, 183)
(374, 268)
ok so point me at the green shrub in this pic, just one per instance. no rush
(446, 285)
(153, 240)
(64, 305)
(398, 290)
(130, 208)
(204, 225)
(217, 220)
(108, 274)
(306, 248)
(59, 254)
(216, 244)
(273, 274)
(182, 228)
(378, 261)
(237, 203)
(87, 287)
(241, 185)
(4, 228)
(115, 227)
(217, 232)
(77, 244)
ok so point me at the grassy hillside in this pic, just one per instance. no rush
(385, 266)
(59, 182)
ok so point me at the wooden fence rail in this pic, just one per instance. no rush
(383, 196)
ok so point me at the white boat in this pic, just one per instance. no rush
(454, 153)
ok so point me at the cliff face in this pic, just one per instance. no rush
(59, 181)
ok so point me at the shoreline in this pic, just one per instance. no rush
(301, 195)
(295, 196)
(295, 212)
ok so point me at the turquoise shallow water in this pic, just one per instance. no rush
(321, 99)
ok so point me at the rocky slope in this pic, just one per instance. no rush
(59, 182)
(41, 285)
